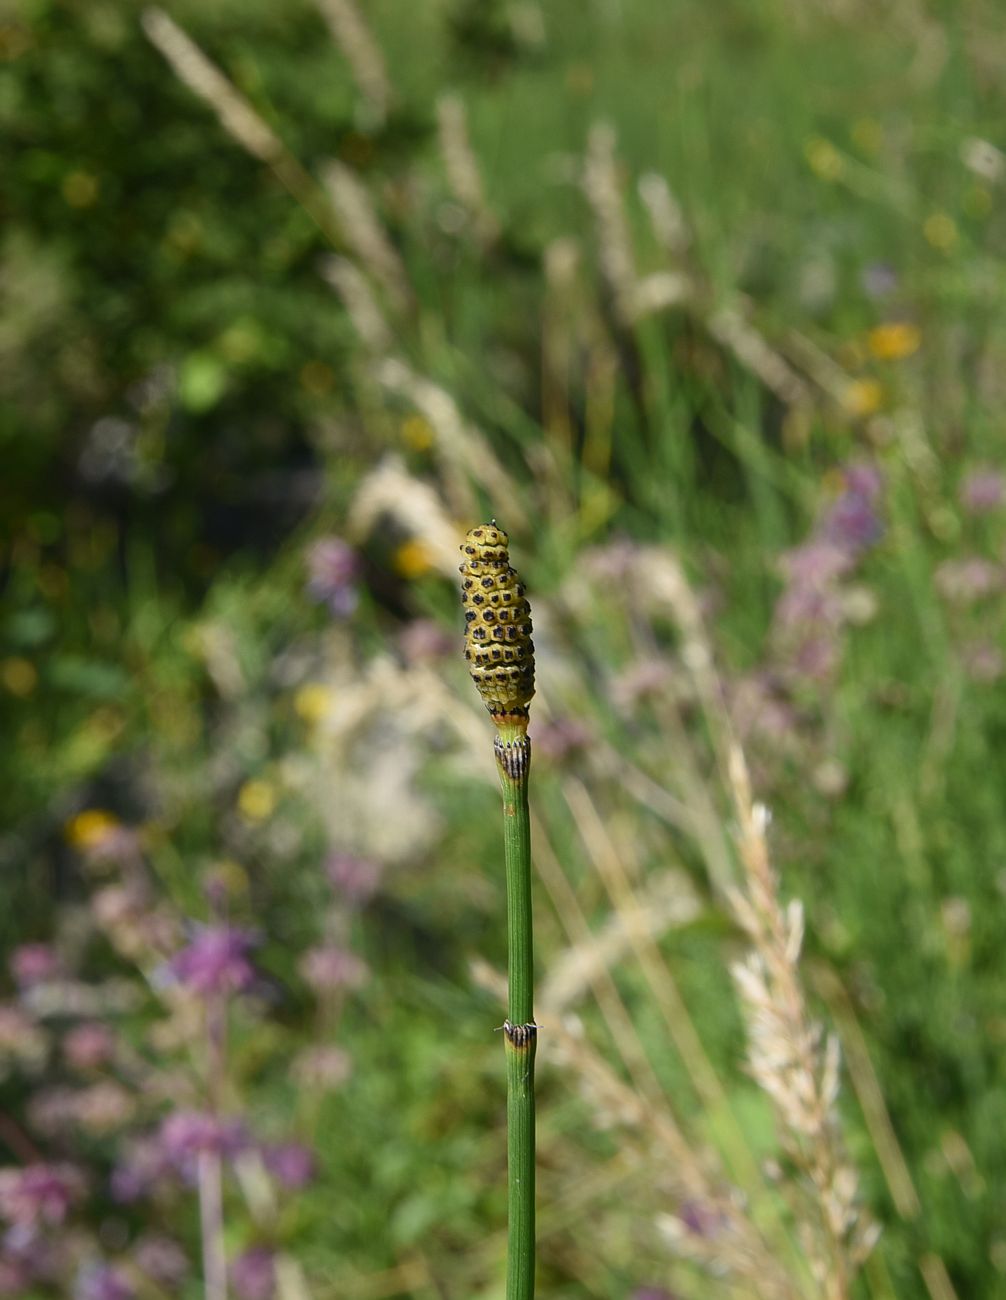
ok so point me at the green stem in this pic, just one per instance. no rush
(513, 760)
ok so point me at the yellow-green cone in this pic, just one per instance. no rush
(498, 643)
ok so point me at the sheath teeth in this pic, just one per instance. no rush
(498, 643)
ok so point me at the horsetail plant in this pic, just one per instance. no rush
(500, 655)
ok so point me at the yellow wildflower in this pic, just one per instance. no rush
(894, 341)
(257, 800)
(412, 559)
(825, 160)
(417, 433)
(978, 201)
(19, 676)
(80, 189)
(312, 701)
(941, 231)
(89, 828)
(863, 397)
(316, 378)
(868, 134)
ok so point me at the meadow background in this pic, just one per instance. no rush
(704, 302)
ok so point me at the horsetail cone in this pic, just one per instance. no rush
(498, 643)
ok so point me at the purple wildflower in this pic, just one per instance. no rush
(28, 1258)
(761, 708)
(39, 1193)
(615, 562)
(963, 582)
(423, 639)
(864, 479)
(879, 280)
(189, 1133)
(21, 1039)
(356, 879)
(814, 564)
(805, 605)
(118, 904)
(144, 1165)
(216, 961)
(852, 523)
(129, 1183)
(34, 1253)
(290, 1163)
(34, 963)
(700, 1220)
(982, 491)
(99, 1282)
(325, 1068)
(333, 568)
(88, 1046)
(217, 888)
(253, 1273)
(101, 1108)
(174, 1150)
(641, 680)
(811, 612)
(812, 648)
(134, 925)
(104, 1107)
(560, 737)
(15, 1276)
(816, 658)
(983, 662)
(116, 846)
(328, 968)
(162, 1260)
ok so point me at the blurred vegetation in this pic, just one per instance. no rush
(186, 405)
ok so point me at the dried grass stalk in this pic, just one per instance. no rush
(665, 213)
(461, 165)
(206, 80)
(236, 115)
(366, 62)
(600, 184)
(361, 305)
(791, 1058)
(365, 234)
(465, 454)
